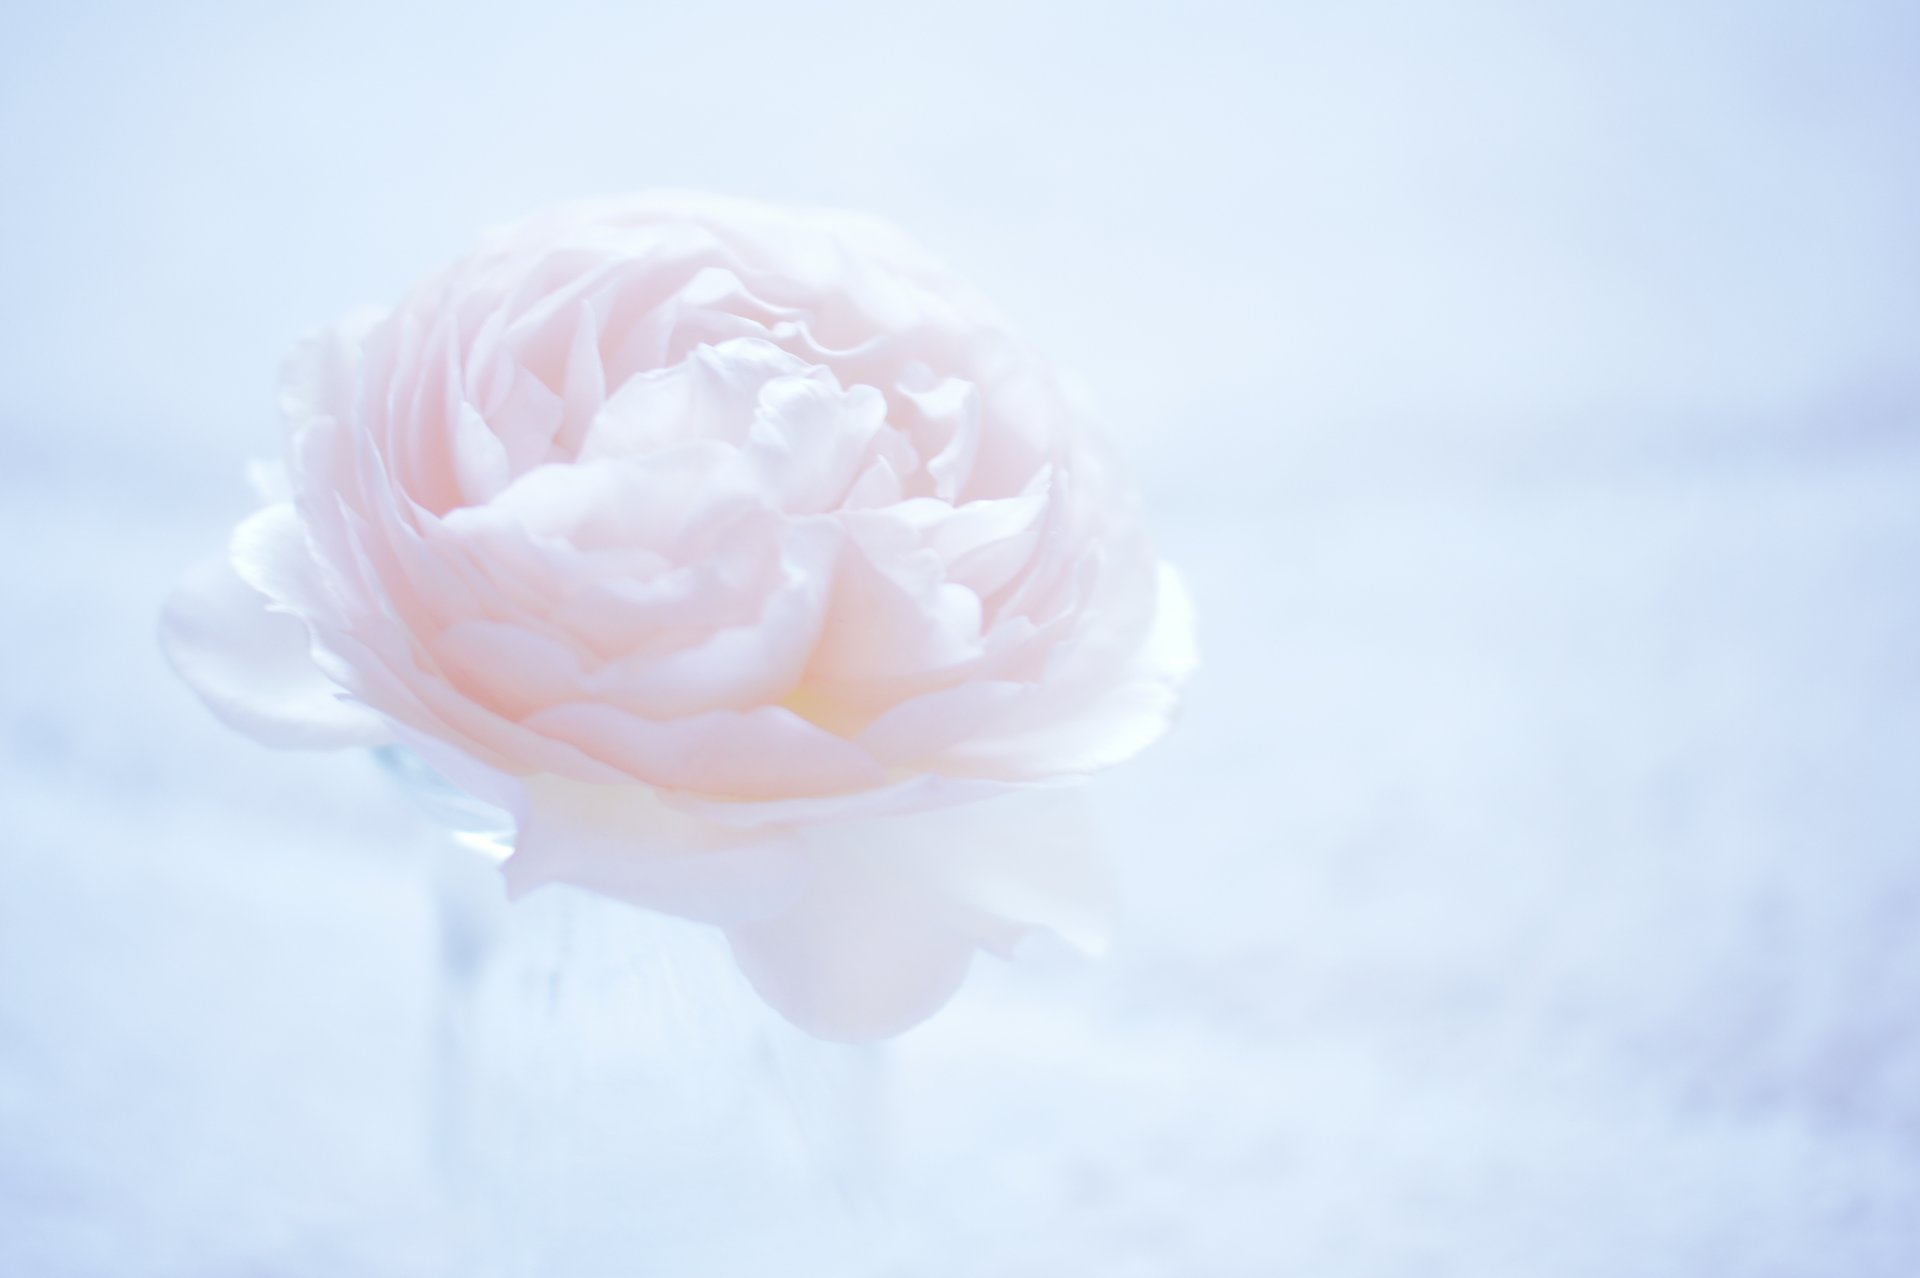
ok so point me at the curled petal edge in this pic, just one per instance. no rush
(253, 665)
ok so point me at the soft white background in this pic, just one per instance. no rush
(1532, 394)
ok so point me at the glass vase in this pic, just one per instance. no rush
(611, 1098)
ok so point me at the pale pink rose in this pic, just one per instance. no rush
(713, 541)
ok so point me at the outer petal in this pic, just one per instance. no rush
(892, 909)
(868, 953)
(253, 668)
(1039, 736)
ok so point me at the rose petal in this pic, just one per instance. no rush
(253, 666)
(896, 626)
(892, 910)
(860, 959)
(1043, 733)
(737, 667)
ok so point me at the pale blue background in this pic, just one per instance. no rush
(1532, 394)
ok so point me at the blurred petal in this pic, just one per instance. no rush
(892, 910)
(864, 956)
(253, 668)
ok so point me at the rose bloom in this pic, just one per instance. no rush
(714, 541)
